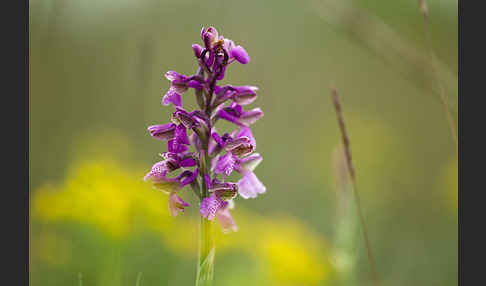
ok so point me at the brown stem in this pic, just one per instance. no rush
(447, 109)
(350, 167)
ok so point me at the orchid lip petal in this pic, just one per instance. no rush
(226, 221)
(211, 205)
(249, 186)
(225, 164)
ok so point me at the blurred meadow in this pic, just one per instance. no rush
(96, 83)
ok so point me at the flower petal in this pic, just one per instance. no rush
(225, 164)
(240, 54)
(226, 221)
(197, 50)
(248, 164)
(224, 114)
(176, 147)
(207, 181)
(163, 131)
(235, 114)
(157, 172)
(184, 117)
(224, 190)
(247, 118)
(196, 142)
(173, 75)
(188, 177)
(180, 135)
(172, 97)
(176, 204)
(210, 206)
(249, 186)
(188, 162)
(246, 132)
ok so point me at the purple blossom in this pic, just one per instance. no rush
(196, 142)
(216, 156)
(173, 97)
(197, 49)
(176, 147)
(239, 53)
(176, 204)
(188, 177)
(224, 190)
(225, 164)
(160, 170)
(244, 95)
(220, 52)
(179, 84)
(246, 132)
(235, 114)
(249, 186)
(248, 164)
(162, 132)
(211, 205)
(240, 147)
(188, 162)
(207, 181)
(226, 221)
(209, 37)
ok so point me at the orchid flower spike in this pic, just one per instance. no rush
(215, 155)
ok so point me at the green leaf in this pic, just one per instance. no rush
(205, 270)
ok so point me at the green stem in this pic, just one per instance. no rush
(205, 267)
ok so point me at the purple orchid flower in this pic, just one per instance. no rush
(211, 205)
(234, 113)
(225, 164)
(179, 84)
(226, 220)
(248, 164)
(249, 186)
(212, 40)
(216, 156)
(242, 95)
(176, 204)
(162, 132)
(224, 190)
(160, 169)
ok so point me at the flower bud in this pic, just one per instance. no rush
(197, 49)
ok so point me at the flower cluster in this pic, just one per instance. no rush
(215, 155)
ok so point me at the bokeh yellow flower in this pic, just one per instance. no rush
(101, 193)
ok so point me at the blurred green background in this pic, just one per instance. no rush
(96, 82)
